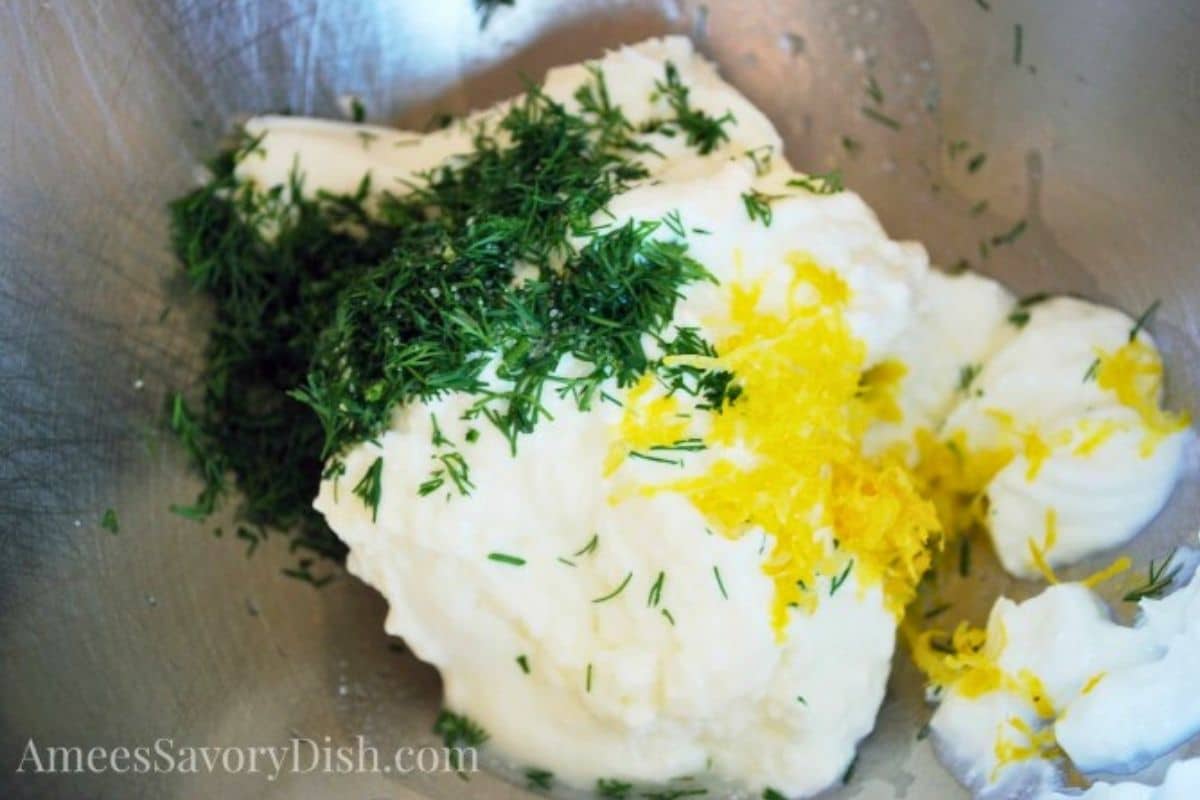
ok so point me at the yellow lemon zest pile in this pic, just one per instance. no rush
(1134, 372)
(799, 421)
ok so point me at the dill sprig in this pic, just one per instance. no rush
(700, 129)
(1159, 578)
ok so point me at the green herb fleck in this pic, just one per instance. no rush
(587, 681)
(850, 770)
(720, 583)
(669, 617)
(1143, 319)
(827, 183)
(505, 558)
(976, 162)
(655, 595)
(486, 8)
(358, 112)
(1092, 370)
(612, 789)
(1019, 318)
(979, 208)
(523, 663)
(590, 547)
(874, 91)
(964, 557)
(620, 588)
(838, 580)
(773, 794)
(539, 779)
(966, 376)
(878, 116)
(1160, 577)
(1018, 43)
(1011, 235)
(458, 731)
(758, 206)
(108, 521)
(370, 487)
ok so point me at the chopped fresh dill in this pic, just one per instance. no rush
(669, 617)
(984, 4)
(523, 663)
(956, 148)
(1011, 235)
(1092, 369)
(878, 116)
(976, 162)
(109, 522)
(590, 547)
(702, 130)
(758, 206)
(620, 588)
(613, 789)
(1159, 578)
(964, 557)
(823, 183)
(720, 583)
(966, 376)
(505, 558)
(370, 487)
(851, 145)
(1142, 320)
(539, 779)
(773, 794)
(838, 580)
(458, 732)
(328, 316)
(358, 112)
(587, 681)
(800, 699)
(1018, 43)
(655, 596)
(978, 208)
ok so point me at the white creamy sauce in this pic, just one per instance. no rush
(1038, 379)
(619, 689)
(1121, 696)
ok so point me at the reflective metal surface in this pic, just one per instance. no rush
(163, 631)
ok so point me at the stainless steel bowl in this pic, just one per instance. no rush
(105, 107)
